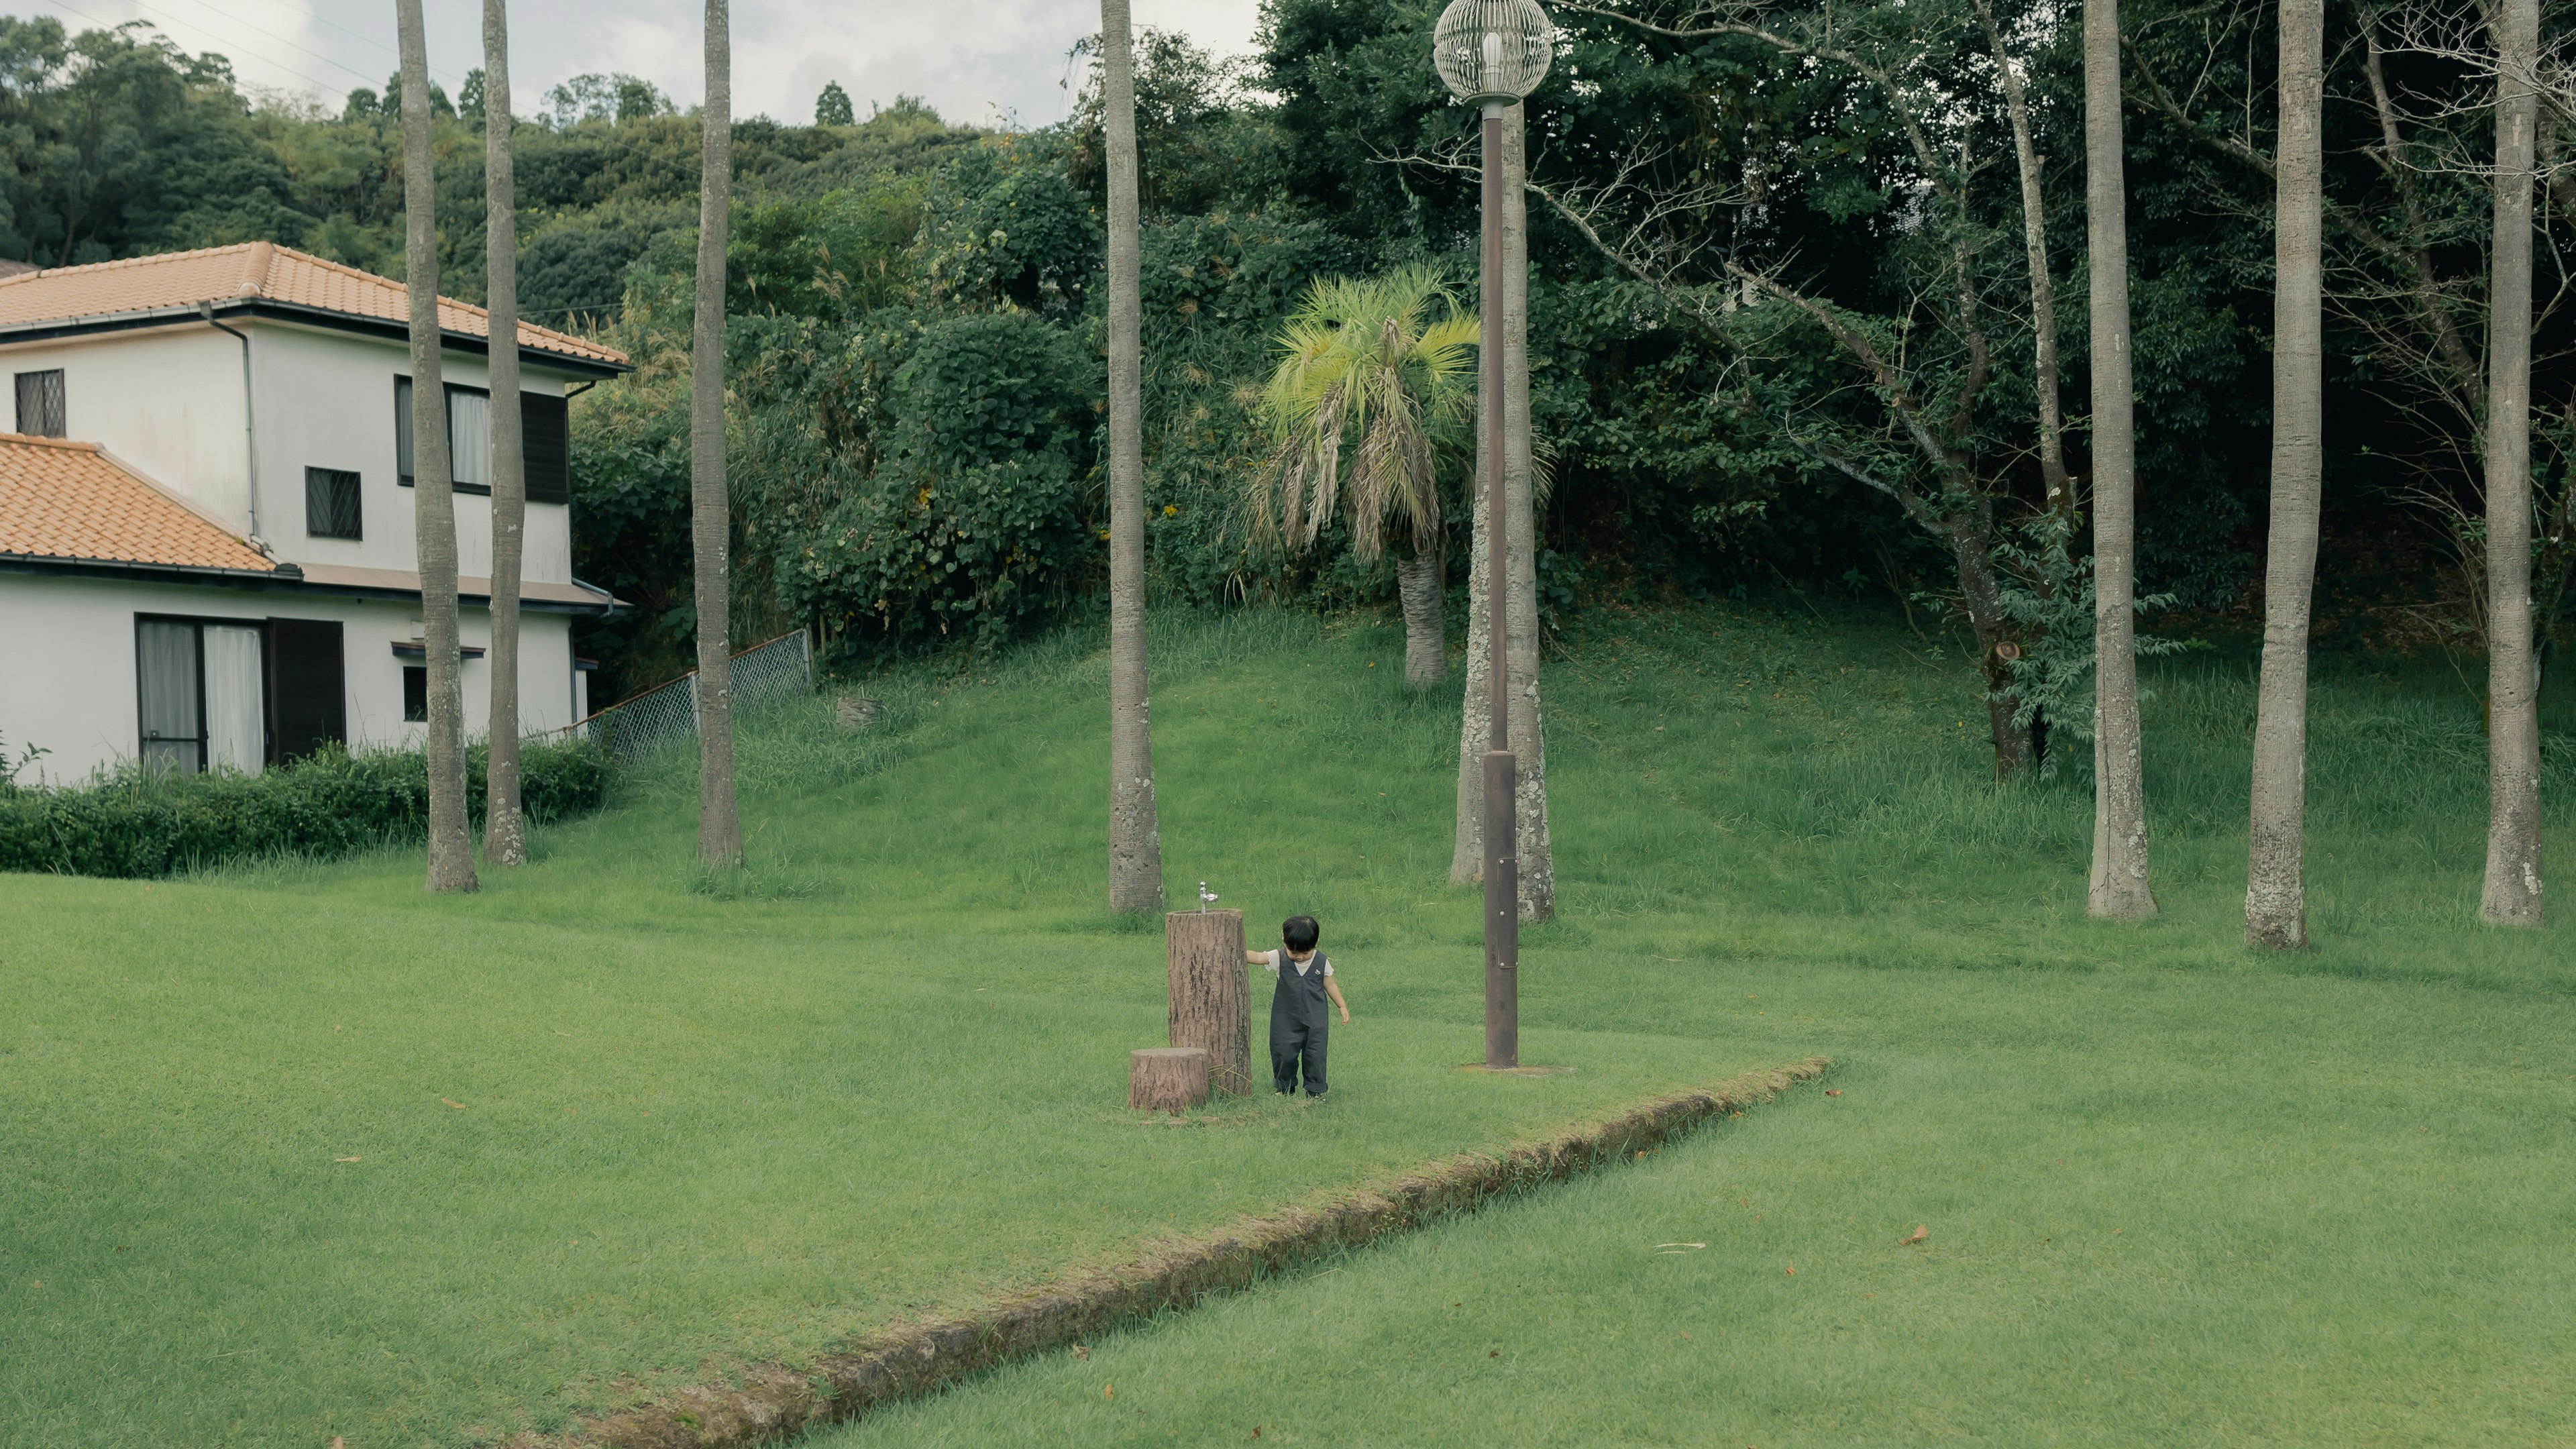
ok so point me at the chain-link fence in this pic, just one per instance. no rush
(762, 674)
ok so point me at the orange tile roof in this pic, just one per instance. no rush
(250, 270)
(62, 500)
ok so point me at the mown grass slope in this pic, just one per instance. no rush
(700, 1122)
(2174, 1193)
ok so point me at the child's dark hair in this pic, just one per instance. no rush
(1300, 933)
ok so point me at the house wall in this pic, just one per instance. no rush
(167, 402)
(335, 409)
(67, 668)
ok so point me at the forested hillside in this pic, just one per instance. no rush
(1720, 208)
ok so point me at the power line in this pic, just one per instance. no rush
(218, 38)
(263, 30)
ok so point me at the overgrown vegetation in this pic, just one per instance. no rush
(142, 822)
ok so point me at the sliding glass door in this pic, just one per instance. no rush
(201, 695)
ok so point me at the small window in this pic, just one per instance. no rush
(544, 441)
(40, 404)
(416, 694)
(331, 503)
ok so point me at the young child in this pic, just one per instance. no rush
(1299, 1025)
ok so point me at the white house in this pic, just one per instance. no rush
(206, 544)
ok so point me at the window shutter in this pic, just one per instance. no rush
(308, 700)
(402, 430)
(545, 428)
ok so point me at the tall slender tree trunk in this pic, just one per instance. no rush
(2043, 290)
(504, 834)
(451, 843)
(1520, 620)
(710, 511)
(2512, 894)
(1135, 838)
(1419, 585)
(2120, 889)
(2276, 908)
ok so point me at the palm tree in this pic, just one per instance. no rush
(2276, 910)
(504, 835)
(2120, 888)
(451, 846)
(719, 828)
(1381, 369)
(2512, 894)
(1135, 836)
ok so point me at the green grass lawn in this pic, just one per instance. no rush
(704, 1122)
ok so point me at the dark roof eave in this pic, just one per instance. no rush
(285, 578)
(269, 308)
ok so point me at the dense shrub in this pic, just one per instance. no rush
(137, 823)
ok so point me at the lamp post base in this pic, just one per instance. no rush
(1502, 914)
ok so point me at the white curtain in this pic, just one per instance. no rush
(236, 718)
(166, 671)
(469, 437)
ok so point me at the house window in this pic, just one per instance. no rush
(201, 695)
(331, 503)
(544, 442)
(40, 404)
(416, 694)
(469, 439)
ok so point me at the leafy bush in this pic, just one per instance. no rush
(962, 502)
(136, 822)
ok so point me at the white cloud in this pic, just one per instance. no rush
(972, 59)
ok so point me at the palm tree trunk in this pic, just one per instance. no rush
(451, 845)
(504, 835)
(1529, 741)
(2120, 889)
(710, 512)
(2512, 894)
(1520, 621)
(2276, 911)
(1135, 840)
(1419, 584)
(1467, 853)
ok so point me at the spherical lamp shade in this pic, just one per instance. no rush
(1493, 50)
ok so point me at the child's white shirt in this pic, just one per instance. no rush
(1301, 966)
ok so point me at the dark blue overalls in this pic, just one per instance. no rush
(1300, 1021)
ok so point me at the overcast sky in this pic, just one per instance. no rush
(975, 60)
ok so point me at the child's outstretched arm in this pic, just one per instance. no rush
(1333, 989)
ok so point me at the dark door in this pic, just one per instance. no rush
(308, 692)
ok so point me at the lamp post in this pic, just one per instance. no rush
(1492, 53)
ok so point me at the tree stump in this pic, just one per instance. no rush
(1167, 1079)
(857, 711)
(1211, 1002)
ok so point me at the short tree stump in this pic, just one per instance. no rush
(1167, 1079)
(1211, 1003)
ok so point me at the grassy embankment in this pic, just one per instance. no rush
(702, 1123)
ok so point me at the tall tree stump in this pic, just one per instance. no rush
(1211, 1002)
(1167, 1079)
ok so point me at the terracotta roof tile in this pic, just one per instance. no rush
(72, 501)
(249, 270)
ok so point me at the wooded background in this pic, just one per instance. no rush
(916, 343)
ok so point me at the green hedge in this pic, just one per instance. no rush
(136, 823)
